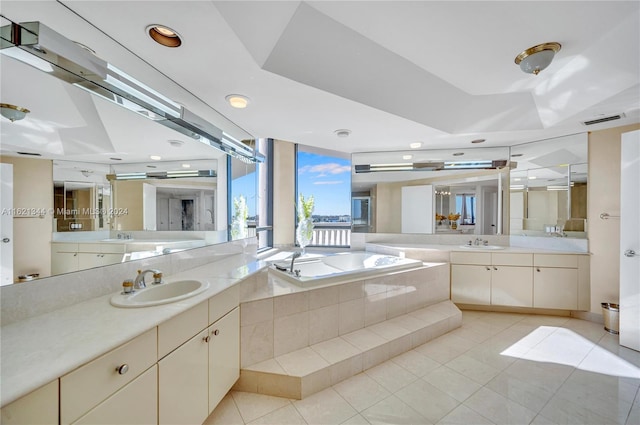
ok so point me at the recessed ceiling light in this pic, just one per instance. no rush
(164, 35)
(407, 156)
(517, 179)
(415, 145)
(458, 154)
(515, 155)
(115, 159)
(175, 143)
(343, 132)
(155, 157)
(532, 177)
(478, 141)
(186, 165)
(237, 100)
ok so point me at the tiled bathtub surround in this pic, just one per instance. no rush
(297, 344)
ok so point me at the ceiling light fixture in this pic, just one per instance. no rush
(536, 58)
(155, 157)
(415, 145)
(13, 112)
(343, 132)
(407, 156)
(237, 101)
(478, 141)
(186, 165)
(175, 143)
(164, 35)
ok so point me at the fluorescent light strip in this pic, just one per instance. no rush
(23, 56)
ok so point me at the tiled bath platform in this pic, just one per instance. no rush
(298, 344)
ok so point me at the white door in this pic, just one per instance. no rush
(6, 224)
(630, 241)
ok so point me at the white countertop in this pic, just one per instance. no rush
(442, 247)
(40, 349)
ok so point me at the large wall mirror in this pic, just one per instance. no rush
(99, 183)
(537, 188)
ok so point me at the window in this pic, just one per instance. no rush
(466, 206)
(326, 175)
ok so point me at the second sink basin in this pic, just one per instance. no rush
(163, 293)
(480, 247)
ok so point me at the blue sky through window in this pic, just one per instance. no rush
(246, 186)
(328, 179)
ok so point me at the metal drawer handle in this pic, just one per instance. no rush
(216, 332)
(630, 253)
(487, 268)
(538, 269)
(122, 369)
(495, 268)
(206, 338)
(6, 240)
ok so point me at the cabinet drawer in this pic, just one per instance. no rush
(89, 247)
(556, 260)
(112, 248)
(86, 387)
(136, 403)
(223, 303)
(478, 258)
(511, 259)
(175, 331)
(64, 247)
(39, 407)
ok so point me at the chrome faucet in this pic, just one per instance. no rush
(139, 282)
(293, 259)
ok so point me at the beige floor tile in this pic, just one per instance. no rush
(416, 363)
(356, 420)
(325, 408)
(287, 415)
(252, 406)
(562, 411)
(452, 383)
(394, 411)
(520, 391)
(547, 376)
(391, 376)
(499, 409)
(446, 348)
(472, 368)
(226, 413)
(462, 415)
(361, 391)
(427, 400)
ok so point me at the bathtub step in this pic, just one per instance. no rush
(301, 373)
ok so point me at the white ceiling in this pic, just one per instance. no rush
(392, 72)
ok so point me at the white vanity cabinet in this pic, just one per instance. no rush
(88, 386)
(485, 278)
(64, 258)
(37, 407)
(555, 281)
(196, 375)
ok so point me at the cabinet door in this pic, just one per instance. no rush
(88, 260)
(555, 288)
(135, 403)
(512, 286)
(183, 383)
(38, 407)
(224, 356)
(64, 262)
(470, 284)
(106, 259)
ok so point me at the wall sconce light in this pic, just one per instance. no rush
(536, 58)
(13, 112)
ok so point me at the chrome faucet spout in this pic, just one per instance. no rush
(293, 259)
(139, 282)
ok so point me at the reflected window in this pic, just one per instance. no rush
(466, 206)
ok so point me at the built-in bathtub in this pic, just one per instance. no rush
(341, 267)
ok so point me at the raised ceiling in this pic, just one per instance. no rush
(392, 72)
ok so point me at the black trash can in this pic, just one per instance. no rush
(611, 314)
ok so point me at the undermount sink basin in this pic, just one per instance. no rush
(163, 293)
(480, 247)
